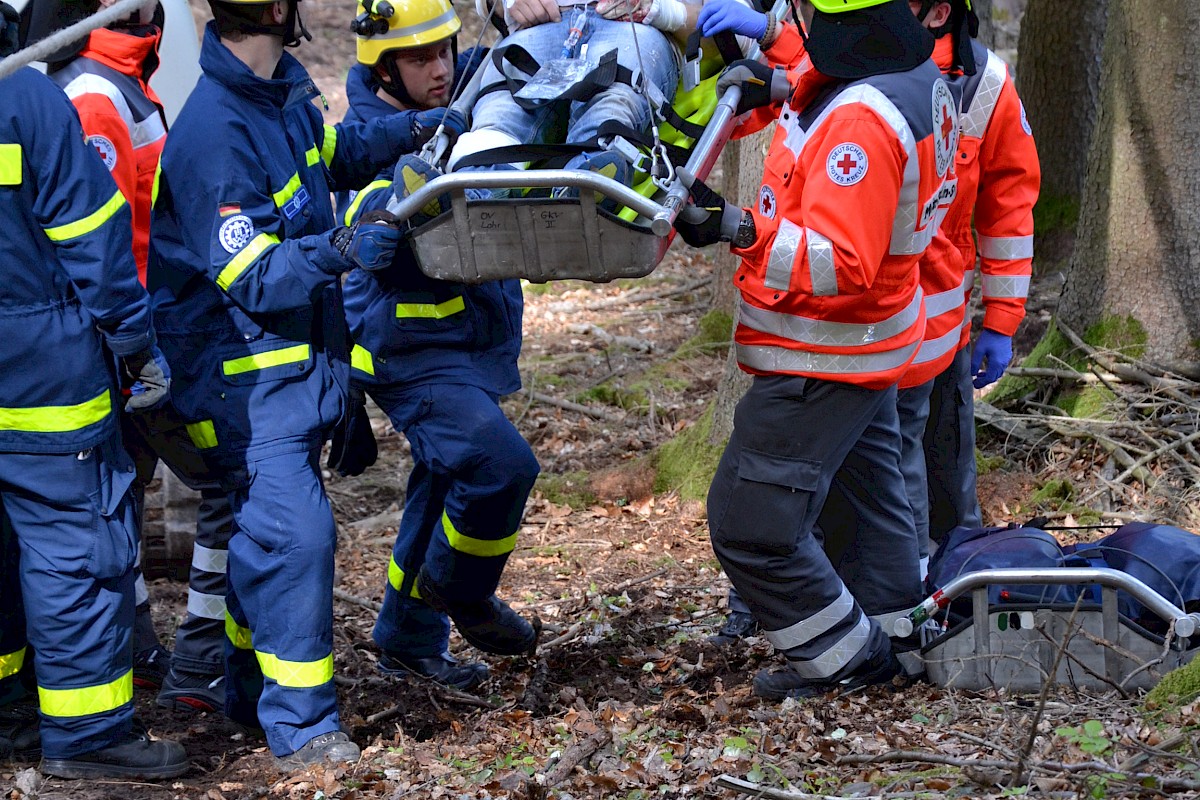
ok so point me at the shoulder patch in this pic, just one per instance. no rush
(945, 127)
(846, 164)
(766, 202)
(1025, 121)
(235, 233)
(106, 149)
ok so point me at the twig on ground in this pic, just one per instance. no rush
(346, 597)
(573, 756)
(567, 405)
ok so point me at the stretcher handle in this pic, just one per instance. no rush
(700, 162)
(521, 179)
(1185, 624)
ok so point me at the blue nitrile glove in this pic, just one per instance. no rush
(992, 355)
(370, 242)
(730, 15)
(151, 375)
(761, 85)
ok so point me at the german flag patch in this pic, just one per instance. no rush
(229, 209)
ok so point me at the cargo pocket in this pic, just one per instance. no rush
(114, 547)
(769, 500)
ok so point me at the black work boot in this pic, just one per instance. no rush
(19, 734)
(738, 625)
(444, 669)
(135, 756)
(334, 747)
(184, 691)
(489, 624)
(789, 683)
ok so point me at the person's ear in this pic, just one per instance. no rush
(279, 10)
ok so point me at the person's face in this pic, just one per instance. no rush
(428, 73)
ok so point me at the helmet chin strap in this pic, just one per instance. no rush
(293, 26)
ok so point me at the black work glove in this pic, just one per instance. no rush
(353, 448)
(370, 242)
(761, 85)
(709, 219)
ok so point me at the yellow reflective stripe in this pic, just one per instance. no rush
(245, 257)
(11, 663)
(271, 358)
(89, 223)
(10, 164)
(356, 203)
(283, 195)
(154, 186)
(296, 674)
(240, 637)
(429, 310)
(57, 419)
(329, 145)
(476, 547)
(362, 360)
(87, 700)
(396, 578)
(202, 433)
(311, 156)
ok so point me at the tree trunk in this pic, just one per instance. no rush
(742, 163)
(1058, 77)
(1139, 229)
(987, 27)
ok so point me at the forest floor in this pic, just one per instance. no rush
(626, 698)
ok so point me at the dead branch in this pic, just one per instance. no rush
(567, 405)
(1146, 459)
(589, 329)
(346, 597)
(758, 790)
(1060, 374)
(572, 757)
(1125, 371)
(623, 585)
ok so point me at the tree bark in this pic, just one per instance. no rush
(1139, 231)
(987, 27)
(1058, 78)
(742, 163)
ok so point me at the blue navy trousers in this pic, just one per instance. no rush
(472, 473)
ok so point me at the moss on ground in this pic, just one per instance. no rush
(715, 333)
(1053, 214)
(688, 462)
(567, 489)
(985, 464)
(1177, 688)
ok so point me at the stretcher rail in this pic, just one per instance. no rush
(1185, 624)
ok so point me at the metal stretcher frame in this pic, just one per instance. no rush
(1015, 646)
(555, 239)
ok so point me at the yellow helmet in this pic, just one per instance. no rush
(838, 6)
(384, 25)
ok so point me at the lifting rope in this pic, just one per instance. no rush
(59, 39)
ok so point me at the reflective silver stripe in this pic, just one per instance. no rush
(933, 349)
(205, 606)
(413, 30)
(823, 333)
(1014, 286)
(779, 359)
(975, 121)
(140, 594)
(808, 629)
(1006, 248)
(970, 280)
(783, 256)
(821, 270)
(940, 303)
(838, 656)
(208, 559)
(145, 132)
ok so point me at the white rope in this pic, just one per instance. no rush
(59, 39)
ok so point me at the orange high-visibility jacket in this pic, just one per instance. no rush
(122, 117)
(998, 179)
(849, 201)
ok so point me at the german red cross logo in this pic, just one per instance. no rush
(945, 127)
(846, 164)
(766, 202)
(105, 149)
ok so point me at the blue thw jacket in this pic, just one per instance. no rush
(242, 273)
(410, 329)
(70, 285)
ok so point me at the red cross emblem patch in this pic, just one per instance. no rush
(945, 127)
(766, 202)
(846, 164)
